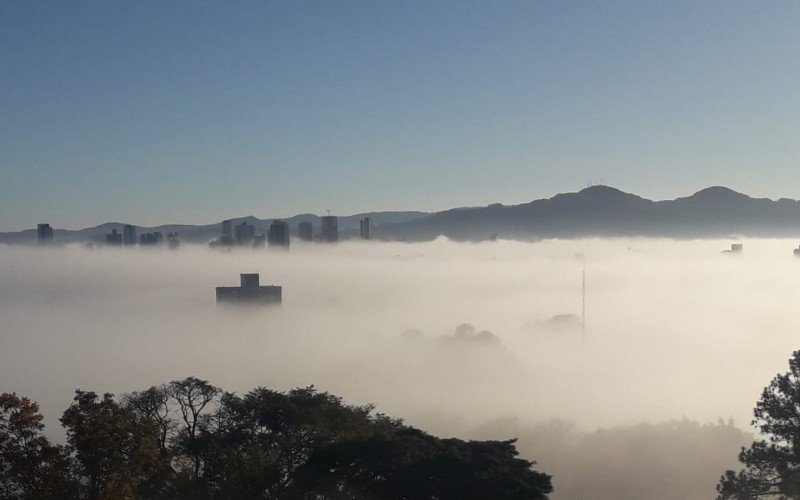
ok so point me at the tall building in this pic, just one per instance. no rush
(249, 292)
(129, 235)
(172, 240)
(278, 234)
(305, 231)
(244, 233)
(114, 238)
(329, 230)
(365, 228)
(44, 234)
(227, 232)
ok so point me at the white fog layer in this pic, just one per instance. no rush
(677, 337)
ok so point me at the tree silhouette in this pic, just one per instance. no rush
(772, 464)
(193, 396)
(154, 403)
(30, 467)
(115, 448)
(188, 439)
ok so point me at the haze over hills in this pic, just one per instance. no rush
(604, 211)
(596, 211)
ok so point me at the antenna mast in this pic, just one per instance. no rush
(583, 302)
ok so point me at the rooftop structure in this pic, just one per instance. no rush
(44, 234)
(735, 248)
(249, 292)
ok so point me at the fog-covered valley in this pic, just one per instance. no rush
(458, 339)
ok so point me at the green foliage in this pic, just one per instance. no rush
(188, 439)
(772, 465)
(408, 463)
(115, 448)
(30, 467)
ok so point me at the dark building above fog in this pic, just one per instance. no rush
(129, 235)
(172, 240)
(250, 292)
(227, 233)
(151, 238)
(365, 228)
(329, 230)
(44, 234)
(244, 233)
(278, 234)
(114, 238)
(305, 231)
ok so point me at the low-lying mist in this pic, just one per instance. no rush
(456, 338)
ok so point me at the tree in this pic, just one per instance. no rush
(193, 396)
(402, 462)
(115, 448)
(153, 403)
(260, 440)
(772, 464)
(30, 467)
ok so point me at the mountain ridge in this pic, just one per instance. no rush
(605, 211)
(594, 211)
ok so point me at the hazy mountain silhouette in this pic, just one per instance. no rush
(595, 211)
(605, 211)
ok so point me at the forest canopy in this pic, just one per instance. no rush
(191, 439)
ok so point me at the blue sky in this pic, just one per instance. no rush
(167, 112)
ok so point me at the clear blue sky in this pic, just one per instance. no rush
(167, 111)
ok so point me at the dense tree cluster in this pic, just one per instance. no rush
(772, 464)
(189, 439)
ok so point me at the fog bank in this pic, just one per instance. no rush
(674, 329)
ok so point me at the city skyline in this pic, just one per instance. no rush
(191, 112)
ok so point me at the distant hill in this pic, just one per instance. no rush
(348, 226)
(606, 211)
(595, 211)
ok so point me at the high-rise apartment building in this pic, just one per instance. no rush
(244, 233)
(114, 238)
(329, 230)
(365, 228)
(44, 234)
(305, 231)
(129, 235)
(278, 234)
